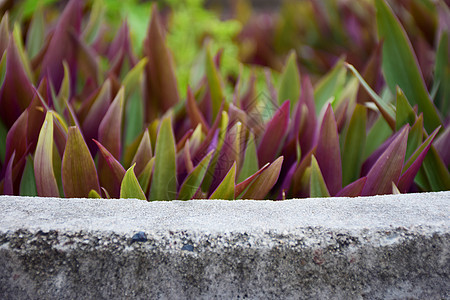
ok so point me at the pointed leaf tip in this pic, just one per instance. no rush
(317, 186)
(289, 87)
(262, 185)
(78, 169)
(43, 160)
(274, 135)
(400, 65)
(328, 152)
(130, 187)
(388, 167)
(225, 190)
(193, 181)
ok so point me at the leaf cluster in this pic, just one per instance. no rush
(85, 114)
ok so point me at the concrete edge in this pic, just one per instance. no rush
(384, 247)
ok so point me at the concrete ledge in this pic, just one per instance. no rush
(384, 247)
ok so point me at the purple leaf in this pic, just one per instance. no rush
(229, 154)
(287, 182)
(143, 154)
(274, 135)
(262, 185)
(16, 140)
(109, 135)
(414, 163)
(97, 110)
(16, 92)
(36, 116)
(187, 135)
(113, 172)
(354, 189)
(299, 190)
(194, 113)
(328, 153)
(388, 167)
(442, 145)
(370, 161)
(8, 186)
(86, 58)
(244, 184)
(162, 89)
(307, 132)
(109, 131)
(61, 46)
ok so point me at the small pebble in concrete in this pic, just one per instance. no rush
(188, 248)
(139, 237)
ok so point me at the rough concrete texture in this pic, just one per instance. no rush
(384, 247)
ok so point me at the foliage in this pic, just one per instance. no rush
(86, 112)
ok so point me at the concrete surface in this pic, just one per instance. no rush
(383, 247)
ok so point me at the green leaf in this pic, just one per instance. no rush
(130, 187)
(262, 185)
(225, 190)
(146, 175)
(436, 172)
(132, 80)
(134, 118)
(3, 68)
(64, 91)
(17, 34)
(164, 180)
(415, 136)
(379, 132)
(135, 106)
(317, 187)
(386, 111)
(36, 32)
(400, 65)
(289, 84)
(95, 20)
(78, 169)
(355, 141)
(404, 112)
(4, 33)
(94, 194)
(442, 75)
(413, 165)
(327, 87)
(193, 181)
(46, 185)
(214, 83)
(29, 6)
(28, 182)
(250, 163)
